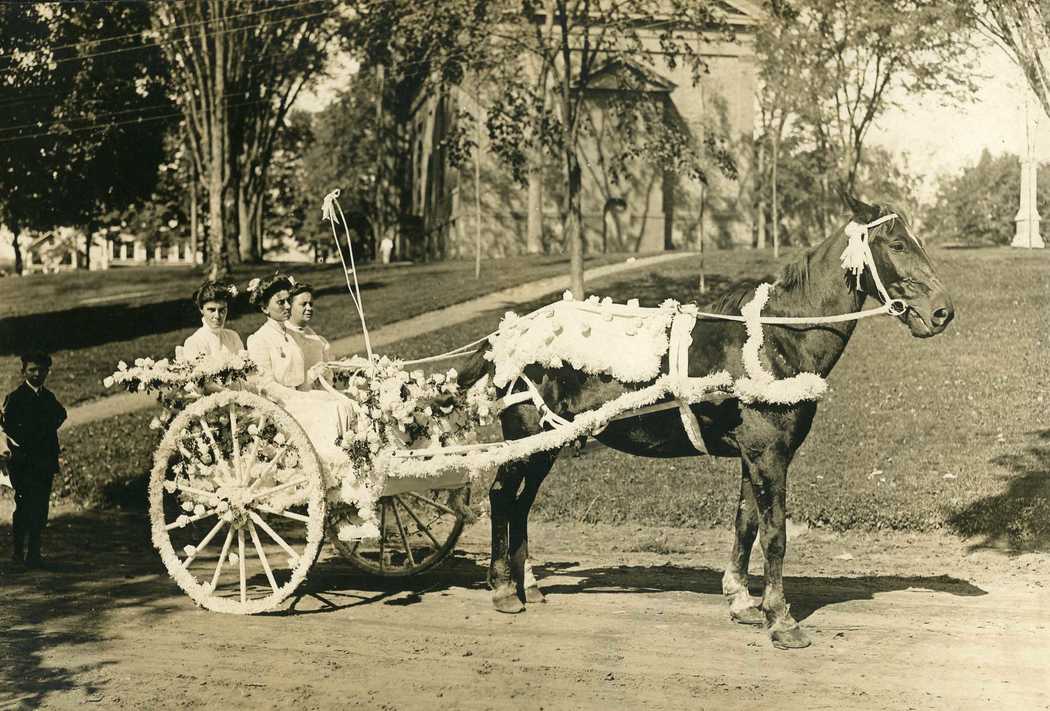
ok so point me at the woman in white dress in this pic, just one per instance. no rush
(213, 301)
(316, 349)
(272, 348)
(282, 370)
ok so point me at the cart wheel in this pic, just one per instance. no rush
(237, 502)
(418, 530)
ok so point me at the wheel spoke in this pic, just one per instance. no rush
(262, 555)
(287, 514)
(191, 519)
(401, 530)
(433, 503)
(273, 534)
(422, 526)
(216, 451)
(203, 544)
(222, 558)
(253, 451)
(233, 438)
(240, 553)
(196, 492)
(274, 490)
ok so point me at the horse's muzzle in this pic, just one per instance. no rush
(931, 318)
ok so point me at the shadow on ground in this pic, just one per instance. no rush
(1019, 518)
(806, 594)
(97, 565)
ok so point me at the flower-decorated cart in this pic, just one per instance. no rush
(241, 495)
(247, 481)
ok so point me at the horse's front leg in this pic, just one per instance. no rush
(742, 607)
(539, 465)
(501, 504)
(769, 482)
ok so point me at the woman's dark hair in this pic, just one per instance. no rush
(267, 287)
(214, 291)
(301, 288)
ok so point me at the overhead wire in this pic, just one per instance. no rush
(111, 124)
(172, 28)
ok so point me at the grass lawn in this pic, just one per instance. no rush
(91, 320)
(914, 434)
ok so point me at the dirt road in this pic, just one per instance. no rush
(634, 621)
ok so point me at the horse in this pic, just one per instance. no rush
(765, 437)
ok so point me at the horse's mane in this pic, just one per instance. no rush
(793, 277)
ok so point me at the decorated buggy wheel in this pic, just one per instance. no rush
(237, 503)
(418, 529)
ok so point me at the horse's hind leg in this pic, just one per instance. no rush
(742, 607)
(528, 588)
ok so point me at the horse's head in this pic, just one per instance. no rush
(904, 269)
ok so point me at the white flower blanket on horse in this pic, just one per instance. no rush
(624, 341)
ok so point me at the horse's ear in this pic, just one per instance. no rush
(862, 212)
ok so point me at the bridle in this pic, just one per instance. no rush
(857, 255)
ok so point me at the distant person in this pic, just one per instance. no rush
(316, 349)
(213, 301)
(31, 418)
(386, 248)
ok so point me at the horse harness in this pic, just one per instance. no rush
(855, 258)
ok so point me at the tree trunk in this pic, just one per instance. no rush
(574, 222)
(16, 245)
(194, 217)
(775, 199)
(534, 238)
(257, 226)
(217, 163)
(245, 233)
(477, 193)
(760, 241)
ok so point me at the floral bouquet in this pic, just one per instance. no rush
(397, 409)
(177, 381)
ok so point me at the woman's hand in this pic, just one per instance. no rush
(317, 370)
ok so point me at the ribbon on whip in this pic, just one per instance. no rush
(328, 207)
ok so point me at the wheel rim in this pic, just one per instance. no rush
(236, 502)
(417, 531)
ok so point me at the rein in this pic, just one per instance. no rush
(855, 258)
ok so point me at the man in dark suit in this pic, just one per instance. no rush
(31, 418)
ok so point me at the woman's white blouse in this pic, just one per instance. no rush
(205, 341)
(315, 348)
(277, 354)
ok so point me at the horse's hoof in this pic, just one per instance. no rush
(747, 616)
(533, 594)
(789, 637)
(507, 601)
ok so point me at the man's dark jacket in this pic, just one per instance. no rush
(32, 420)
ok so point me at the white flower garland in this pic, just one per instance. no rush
(760, 385)
(148, 375)
(307, 464)
(584, 423)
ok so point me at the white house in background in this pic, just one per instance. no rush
(63, 250)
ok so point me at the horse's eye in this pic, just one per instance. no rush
(897, 246)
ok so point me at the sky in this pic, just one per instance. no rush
(946, 138)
